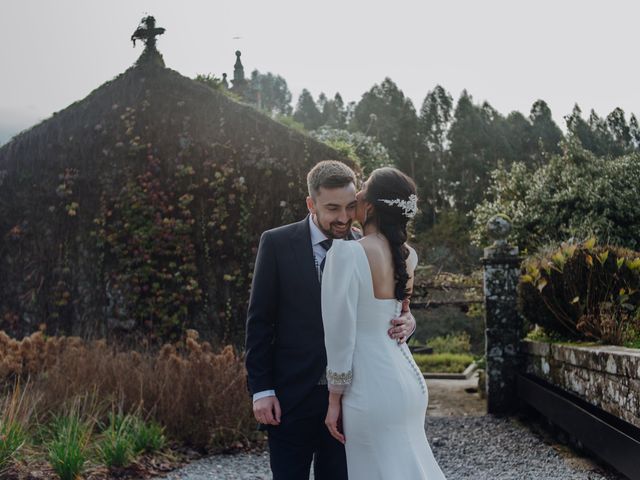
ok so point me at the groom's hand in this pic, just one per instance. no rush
(267, 410)
(402, 327)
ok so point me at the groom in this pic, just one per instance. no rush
(285, 354)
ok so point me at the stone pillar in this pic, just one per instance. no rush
(503, 325)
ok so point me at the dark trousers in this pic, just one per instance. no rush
(304, 437)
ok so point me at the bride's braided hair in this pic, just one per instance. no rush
(391, 183)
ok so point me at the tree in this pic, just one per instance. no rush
(366, 151)
(634, 132)
(620, 132)
(478, 144)
(307, 112)
(333, 111)
(270, 93)
(576, 194)
(433, 124)
(579, 129)
(546, 133)
(386, 114)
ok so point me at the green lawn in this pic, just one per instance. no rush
(443, 362)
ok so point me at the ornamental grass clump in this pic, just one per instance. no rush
(15, 412)
(187, 391)
(583, 291)
(116, 446)
(147, 437)
(68, 446)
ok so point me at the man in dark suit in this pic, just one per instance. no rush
(285, 353)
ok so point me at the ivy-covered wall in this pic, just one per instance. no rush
(139, 209)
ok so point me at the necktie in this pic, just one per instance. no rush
(326, 244)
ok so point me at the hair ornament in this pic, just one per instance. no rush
(409, 207)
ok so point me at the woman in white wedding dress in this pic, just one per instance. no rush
(377, 395)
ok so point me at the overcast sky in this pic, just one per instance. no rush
(508, 52)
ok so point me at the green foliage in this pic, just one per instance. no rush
(583, 291)
(610, 136)
(433, 125)
(575, 195)
(147, 436)
(209, 80)
(115, 447)
(334, 113)
(68, 446)
(443, 362)
(366, 151)
(451, 343)
(307, 112)
(290, 122)
(270, 93)
(447, 244)
(386, 114)
(12, 438)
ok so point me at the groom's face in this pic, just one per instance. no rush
(334, 209)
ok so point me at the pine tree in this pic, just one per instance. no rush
(387, 115)
(433, 124)
(545, 131)
(307, 112)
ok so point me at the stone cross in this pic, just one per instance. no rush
(503, 329)
(147, 32)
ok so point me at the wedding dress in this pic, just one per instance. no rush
(385, 396)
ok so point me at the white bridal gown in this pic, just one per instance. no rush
(385, 397)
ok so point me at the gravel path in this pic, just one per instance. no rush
(471, 447)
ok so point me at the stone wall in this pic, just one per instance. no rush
(605, 376)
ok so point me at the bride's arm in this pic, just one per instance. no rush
(339, 314)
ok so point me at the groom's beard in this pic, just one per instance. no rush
(336, 229)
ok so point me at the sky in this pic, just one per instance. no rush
(507, 52)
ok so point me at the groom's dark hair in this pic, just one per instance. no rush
(329, 174)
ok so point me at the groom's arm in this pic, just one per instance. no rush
(260, 329)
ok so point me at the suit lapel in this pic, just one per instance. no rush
(301, 246)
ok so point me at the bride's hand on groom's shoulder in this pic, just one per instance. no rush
(267, 410)
(333, 421)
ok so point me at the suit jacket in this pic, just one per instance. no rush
(284, 333)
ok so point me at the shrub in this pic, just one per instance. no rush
(452, 343)
(583, 290)
(364, 150)
(575, 195)
(443, 362)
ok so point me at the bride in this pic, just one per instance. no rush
(378, 397)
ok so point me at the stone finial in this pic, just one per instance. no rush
(498, 229)
(238, 72)
(225, 83)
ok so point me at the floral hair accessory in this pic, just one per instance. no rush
(409, 207)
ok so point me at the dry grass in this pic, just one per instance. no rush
(197, 394)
